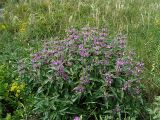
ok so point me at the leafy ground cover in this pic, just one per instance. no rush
(25, 25)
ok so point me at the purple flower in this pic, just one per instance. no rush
(108, 78)
(127, 85)
(121, 44)
(119, 64)
(61, 69)
(85, 38)
(76, 118)
(83, 52)
(80, 46)
(56, 62)
(49, 53)
(36, 57)
(71, 31)
(102, 44)
(139, 68)
(97, 50)
(140, 64)
(76, 37)
(103, 34)
(61, 72)
(79, 89)
(109, 46)
(73, 37)
(121, 41)
(84, 80)
(65, 76)
(137, 90)
(95, 40)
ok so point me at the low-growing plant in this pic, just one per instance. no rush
(154, 109)
(86, 74)
(11, 95)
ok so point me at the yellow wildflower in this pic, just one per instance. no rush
(13, 88)
(2, 26)
(23, 27)
(16, 88)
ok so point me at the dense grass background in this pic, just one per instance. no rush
(26, 23)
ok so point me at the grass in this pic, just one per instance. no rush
(28, 22)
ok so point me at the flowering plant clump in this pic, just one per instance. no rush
(86, 74)
(16, 88)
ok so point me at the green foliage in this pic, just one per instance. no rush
(154, 110)
(10, 100)
(3, 87)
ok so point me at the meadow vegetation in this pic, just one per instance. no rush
(25, 25)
